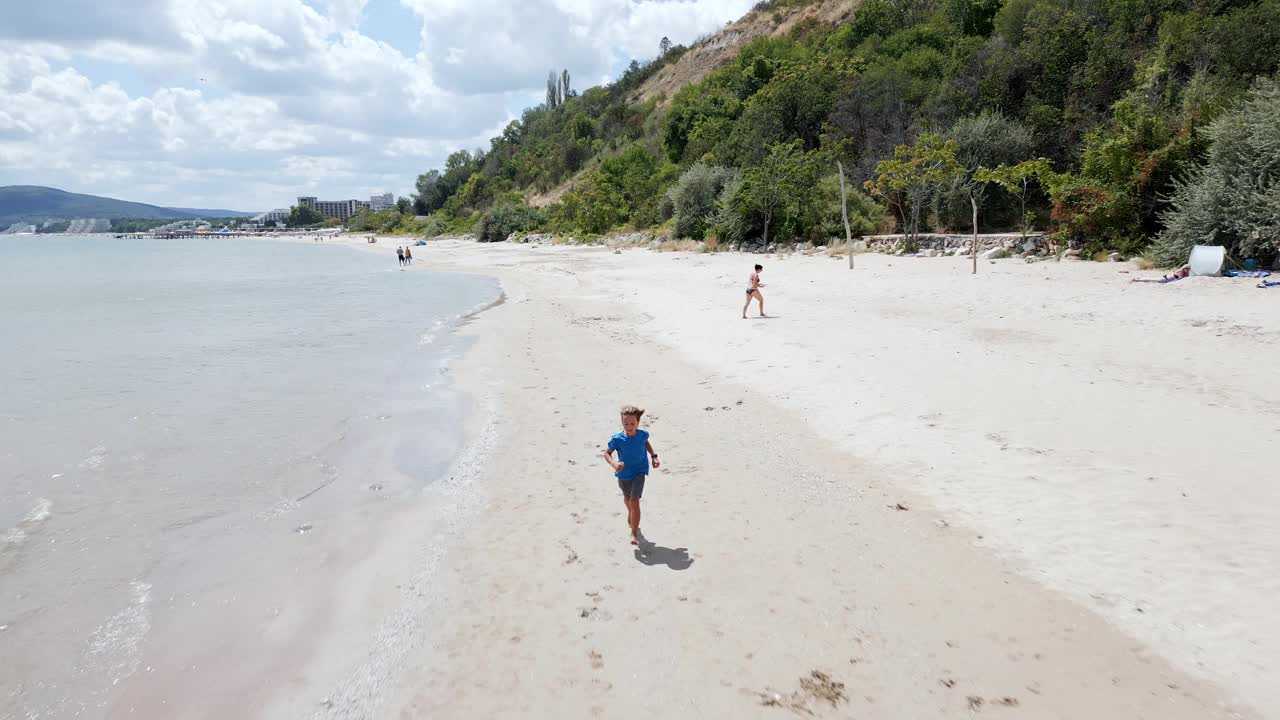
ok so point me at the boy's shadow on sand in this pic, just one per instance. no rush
(650, 553)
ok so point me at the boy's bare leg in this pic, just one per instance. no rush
(633, 518)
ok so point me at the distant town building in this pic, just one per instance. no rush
(181, 225)
(89, 225)
(279, 215)
(19, 227)
(385, 201)
(340, 209)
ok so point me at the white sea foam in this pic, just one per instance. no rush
(111, 654)
(115, 647)
(32, 521)
(41, 512)
(97, 457)
(445, 324)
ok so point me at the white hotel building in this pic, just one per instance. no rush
(344, 209)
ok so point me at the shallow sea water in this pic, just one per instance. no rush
(172, 411)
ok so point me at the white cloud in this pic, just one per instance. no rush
(248, 103)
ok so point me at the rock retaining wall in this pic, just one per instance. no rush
(928, 245)
(944, 244)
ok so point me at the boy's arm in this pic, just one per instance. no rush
(649, 446)
(608, 457)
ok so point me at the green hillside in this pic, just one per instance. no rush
(212, 212)
(1125, 100)
(31, 203)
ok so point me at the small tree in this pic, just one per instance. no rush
(403, 206)
(1017, 180)
(785, 174)
(664, 46)
(915, 172)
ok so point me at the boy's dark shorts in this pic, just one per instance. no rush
(632, 488)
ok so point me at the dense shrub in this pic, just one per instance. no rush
(500, 221)
(694, 199)
(1234, 200)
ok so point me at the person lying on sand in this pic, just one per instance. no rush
(753, 290)
(634, 450)
(1182, 272)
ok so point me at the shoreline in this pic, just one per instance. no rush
(585, 305)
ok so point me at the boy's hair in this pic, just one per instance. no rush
(759, 268)
(633, 411)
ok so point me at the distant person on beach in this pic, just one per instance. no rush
(408, 255)
(400, 255)
(633, 449)
(753, 291)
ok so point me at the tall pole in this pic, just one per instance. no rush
(974, 202)
(844, 210)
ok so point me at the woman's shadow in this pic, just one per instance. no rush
(651, 553)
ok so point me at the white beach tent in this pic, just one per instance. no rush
(1207, 259)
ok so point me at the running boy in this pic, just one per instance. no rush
(634, 450)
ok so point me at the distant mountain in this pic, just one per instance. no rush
(32, 203)
(216, 213)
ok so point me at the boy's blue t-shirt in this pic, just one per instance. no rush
(631, 453)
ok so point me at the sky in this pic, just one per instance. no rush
(247, 104)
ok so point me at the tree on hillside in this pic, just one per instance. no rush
(553, 90)
(694, 198)
(987, 139)
(786, 173)
(595, 205)
(431, 194)
(1017, 181)
(664, 46)
(403, 206)
(908, 180)
(559, 88)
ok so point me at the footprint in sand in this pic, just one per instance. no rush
(572, 556)
(597, 660)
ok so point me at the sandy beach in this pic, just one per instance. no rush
(1038, 492)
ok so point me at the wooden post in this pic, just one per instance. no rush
(844, 210)
(974, 202)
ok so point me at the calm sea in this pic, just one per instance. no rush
(170, 408)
